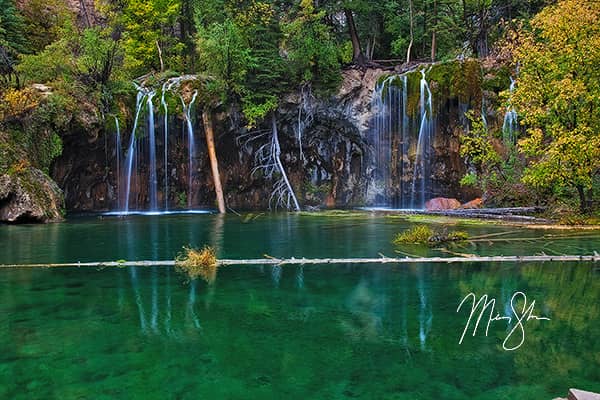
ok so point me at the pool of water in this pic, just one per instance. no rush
(265, 332)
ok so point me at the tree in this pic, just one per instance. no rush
(45, 21)
(224, 54)
(150, 40)
(12, 40)
(312, 52)
(558, 96)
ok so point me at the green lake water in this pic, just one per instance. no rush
(292, 332)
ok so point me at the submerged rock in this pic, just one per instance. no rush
(29, 196)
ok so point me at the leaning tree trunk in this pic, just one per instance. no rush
(212, 155)
(357, 55)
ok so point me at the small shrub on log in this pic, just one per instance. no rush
(198, 263)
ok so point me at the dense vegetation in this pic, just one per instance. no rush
(255, 51)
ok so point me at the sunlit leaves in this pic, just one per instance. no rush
(558, 94)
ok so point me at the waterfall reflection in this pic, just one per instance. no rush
(363, 303)
(425, 309)
(191, 312)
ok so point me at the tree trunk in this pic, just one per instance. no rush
(212, 155)
(280, 165)
(357, 55)
(582, 199)
(160, 57)
(412, 35)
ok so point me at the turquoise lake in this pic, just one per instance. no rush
(292, 332)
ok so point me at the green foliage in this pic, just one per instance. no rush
(423, 234)
(419, 234)
(150, 34)
(45, 22)
(181, 199)
(470, 179)
(53, 63)
(558, 95)
(313, 53)
(256, 111)
(226, 56)
(12, 39)
(476, 148)
(88, 58)
(496, 166)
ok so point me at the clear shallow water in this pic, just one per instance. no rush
(332, 331)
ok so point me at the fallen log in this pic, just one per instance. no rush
(315, 261)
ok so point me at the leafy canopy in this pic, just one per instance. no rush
(558, 95)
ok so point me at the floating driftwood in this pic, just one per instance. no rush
(307, 261)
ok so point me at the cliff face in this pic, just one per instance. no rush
(327, 149)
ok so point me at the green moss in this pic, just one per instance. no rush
(443, 220)
(419, 234)
(460, 79)
(424, 234)
(496, 79)
(333, 214)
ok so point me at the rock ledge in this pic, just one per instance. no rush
(30, 196)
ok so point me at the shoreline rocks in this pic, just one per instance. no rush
(30, 196)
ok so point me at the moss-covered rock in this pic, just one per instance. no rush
(29, 195)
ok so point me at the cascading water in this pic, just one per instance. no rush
(166, 143)
(422, 157)
(151, 135)
(191, 144)
(385, 101)
(143, 160)
(402, 137)
(511, 123)
(129, 161)
(118, 156)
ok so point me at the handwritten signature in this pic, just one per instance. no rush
(519, 317)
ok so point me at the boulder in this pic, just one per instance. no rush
(442, 203)
(473, 204)
(30, 196)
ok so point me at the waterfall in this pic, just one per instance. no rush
(383, 132)
(511, 123)
(151, 134)
(484, 113)
(166, 144)
(131, 149)
(191, 144)
(118, 156)
(140, 180)
(402, 153)
(405, 137)
(421, 166)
